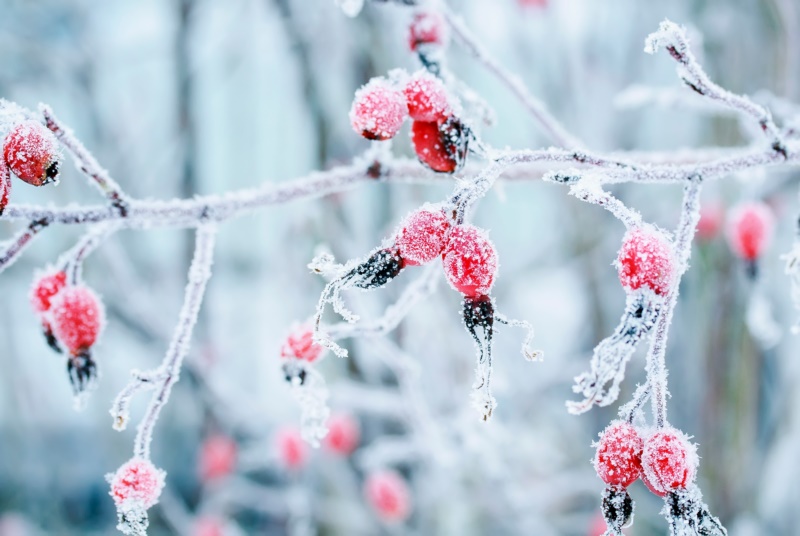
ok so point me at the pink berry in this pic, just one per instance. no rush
(378, 110)
(388, 494)
(217, 457)
(291, 449)
(750, 229)
(597, 525)
(137, 480)
(208, 526)
(426, 98)
(422, 235)
(344, 434)
(45, 288)
(533, 3)
(427, 28)
(669, 461)
(711, 218)
(618, 461)
(5, 185)
(645, 260)
(299, 344)
(77, 318)
(470, 261)
(31, 151)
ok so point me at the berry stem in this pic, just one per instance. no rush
(72, 261)
(10, 252)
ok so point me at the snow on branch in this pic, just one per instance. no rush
(10, 250)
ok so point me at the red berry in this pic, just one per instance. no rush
(711, 218)
(137, 480)
(31, 151)
(208, 526)
(533, 3)
(440, 146)
(669, 461)
(426, 98)
(5, 185)
(378, 110)
(77, 318)
(45, 287)
(291, 449)
(470, 261)
(422, 236)
(427, 28)
(750, 229)
(217, 457)
(645, 260)
(343, 434)
(388, 494)
(299, 344)
(618, 461)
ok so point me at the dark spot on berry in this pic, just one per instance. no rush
(52, 171)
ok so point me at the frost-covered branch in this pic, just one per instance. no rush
(71, 262)
(590, 190)
(10, 250)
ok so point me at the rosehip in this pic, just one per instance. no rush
(618, 460)
(711, 218)
(77, 317)
(388, 494)
(343, 434)
(208, 526)
(426, 98)
(31, 152)
(300, 344)
(217, 457)
(137, 480)
(669, 461)
(422, 235)
(470, 261)
(440, 146)
(378, 110)
(645, 260)
(750, 229)
(427, 28)
(45, 288)
(291, 449)
(5, 185)
(533, 3)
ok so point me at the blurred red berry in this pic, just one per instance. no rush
(291, 449)
(378, 110)
(470, 261)
(344, 434)
(426, 98)
(300, 344)
(440, 146)
(31, 152)
(45, 287)
(645, 260)
(711, 217)
(422, 236)
(388, 494)
(217, 457)
(618, 460)
(750, 229)
(669, 461)
(533, 3)
(427, 28)
(208, 526)
(77, 318)
(137, 480)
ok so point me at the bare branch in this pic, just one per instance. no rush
(10, 251)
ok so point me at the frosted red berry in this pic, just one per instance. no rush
(378, 110)
(5, 185)
(292, 451)
(422, 235)
(137, 480)
(31, 152)
(217, 457)
(77, 318)
(669, 461)
(426, 98)
(344, 434)
(388, 494)
(299, 344)
(645, 260)
(618, 460)
(45, 287)
(470, 261)
(440, 146)
(427, 28)
(750, 229)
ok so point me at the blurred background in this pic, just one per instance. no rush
(185, 97)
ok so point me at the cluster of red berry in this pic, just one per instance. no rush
(72, 316)
(30, 151)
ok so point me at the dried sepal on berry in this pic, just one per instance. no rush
(31, 152)
(378, 110)
(441, 146)
(5, 185)
(686, 513)
(669, 461)
(422, 235)
(427, 28)
(646, 260)
(470, 261)
(478, 315)
(618, 510)
(618, 460)
(388, 495)
(426, 98)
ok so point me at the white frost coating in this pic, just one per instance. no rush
(589, 189)
(688, 515)
(132, 519)
(312, 396)
(351, 8)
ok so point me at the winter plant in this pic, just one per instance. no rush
(446, 119)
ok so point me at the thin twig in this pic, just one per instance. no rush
(10, 253)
